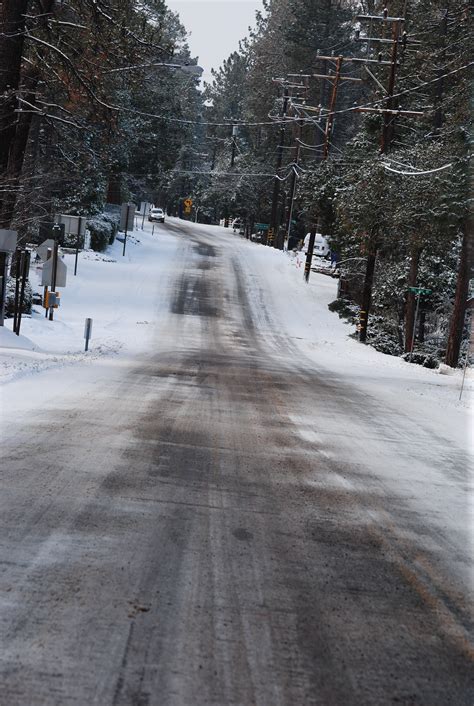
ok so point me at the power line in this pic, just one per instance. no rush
(276, 121)
(417, 173)
(236, 174)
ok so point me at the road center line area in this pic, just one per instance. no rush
(238, 513)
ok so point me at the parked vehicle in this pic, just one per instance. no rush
(321, 247)
(156, 214)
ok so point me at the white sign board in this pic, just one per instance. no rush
(127, 224)
(44, 247)
(8, 240)
(73, 225)
(61, 274)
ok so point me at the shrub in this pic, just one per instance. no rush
(103, 229)
(424, 359)
(385, 342)
(383, 335)
(345, 309)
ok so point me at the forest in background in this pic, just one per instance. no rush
(90, 116)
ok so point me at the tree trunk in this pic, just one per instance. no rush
(367, 296)
(18, 145)
(410, 300)
(14, 128)
(462, 290)
(421, 326)
(114, 189)
(12, 26)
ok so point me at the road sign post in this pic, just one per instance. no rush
(127, 216)
(74, 225)
(45, 249)
(144, 208)
(54, 272)
(78, 237)
(47, 274)
(54, 275)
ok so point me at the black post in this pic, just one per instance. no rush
(126, 230)
(79, 226)
(309, 253)
(3, 284)
(53, 275)
(24, 279)
(18, 268)
(45, 293)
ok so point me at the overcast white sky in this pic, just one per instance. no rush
(215, 27)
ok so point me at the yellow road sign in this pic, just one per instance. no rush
(188, 203)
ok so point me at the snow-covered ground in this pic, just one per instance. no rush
(125, 297)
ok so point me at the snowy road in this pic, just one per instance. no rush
(225, 521)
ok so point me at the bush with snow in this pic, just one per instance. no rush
(103, 229)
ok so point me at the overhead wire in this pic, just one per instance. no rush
(276, 121)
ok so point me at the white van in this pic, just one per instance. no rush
(321, 247)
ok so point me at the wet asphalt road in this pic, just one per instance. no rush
(178, 538)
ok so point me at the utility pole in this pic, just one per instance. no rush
(386, 139)
(304, 85)
(332, 105)
(276, 181)
(235, 132)
(389, 113)
(294, 176)
(388, 117)
(335, 78)
(290, 82)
